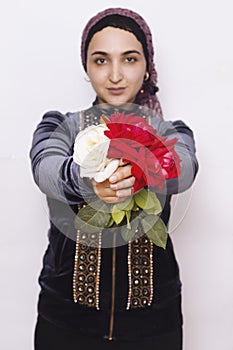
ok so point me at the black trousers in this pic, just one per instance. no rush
(49, 337)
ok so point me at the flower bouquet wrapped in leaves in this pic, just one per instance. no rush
(98, 150)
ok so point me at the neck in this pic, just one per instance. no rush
(129, 107)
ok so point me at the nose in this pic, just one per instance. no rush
(115, 74)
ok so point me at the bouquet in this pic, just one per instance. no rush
(98, 150)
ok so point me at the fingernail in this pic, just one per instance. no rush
(113, 186)
(112, 178)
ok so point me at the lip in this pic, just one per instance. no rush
(116, 91)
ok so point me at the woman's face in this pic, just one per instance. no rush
(116, 66)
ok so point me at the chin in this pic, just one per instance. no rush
(119, 104)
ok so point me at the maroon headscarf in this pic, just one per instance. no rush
(147, 95)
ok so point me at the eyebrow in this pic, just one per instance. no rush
(123, 54)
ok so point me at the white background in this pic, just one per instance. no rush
(41, 70)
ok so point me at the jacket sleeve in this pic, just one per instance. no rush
(53, 168)
(185, 148)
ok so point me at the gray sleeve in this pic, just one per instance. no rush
(53, 168)
(185, 148)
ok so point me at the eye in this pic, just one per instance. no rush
(130, 59)
(100, 60)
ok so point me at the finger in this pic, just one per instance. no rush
(125, 193)
(103, 192)
(107, 194)
(121, 173)
(129, 182)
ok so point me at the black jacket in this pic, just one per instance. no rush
(58, 177)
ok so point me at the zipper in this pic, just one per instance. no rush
(111, 323)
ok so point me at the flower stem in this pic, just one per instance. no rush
(128, 214)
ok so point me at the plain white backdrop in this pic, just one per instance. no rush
(41, 70)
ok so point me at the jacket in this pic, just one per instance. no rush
(58, 178)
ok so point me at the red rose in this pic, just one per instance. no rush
(147, 170)
(130, 127)
(124, 148)
(153, 158)
(168, 158)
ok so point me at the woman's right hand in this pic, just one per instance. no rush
(118, 187)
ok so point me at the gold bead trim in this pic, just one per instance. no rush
(140, 273)
(86, 277)
(87, 261)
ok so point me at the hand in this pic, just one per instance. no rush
(118, 187)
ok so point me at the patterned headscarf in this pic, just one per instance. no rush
(147, 94)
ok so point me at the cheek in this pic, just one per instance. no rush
(137, 81)
(138, 77)
(96, 77)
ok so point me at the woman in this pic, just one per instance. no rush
(84, 298)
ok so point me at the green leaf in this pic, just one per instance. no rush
(111, 222)
(152, 211)
(148, 222)
(100, 205)
(117, 215)
(148, 200)
(155, 230)
(92, 219)
(128, 233)
(128, 204)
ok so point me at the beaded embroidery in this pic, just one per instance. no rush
(140, 272)
(87, 269)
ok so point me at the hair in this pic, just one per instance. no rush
(131, 21)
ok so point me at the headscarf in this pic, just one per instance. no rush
(147, 94)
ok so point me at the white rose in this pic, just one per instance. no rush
(90, 152)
